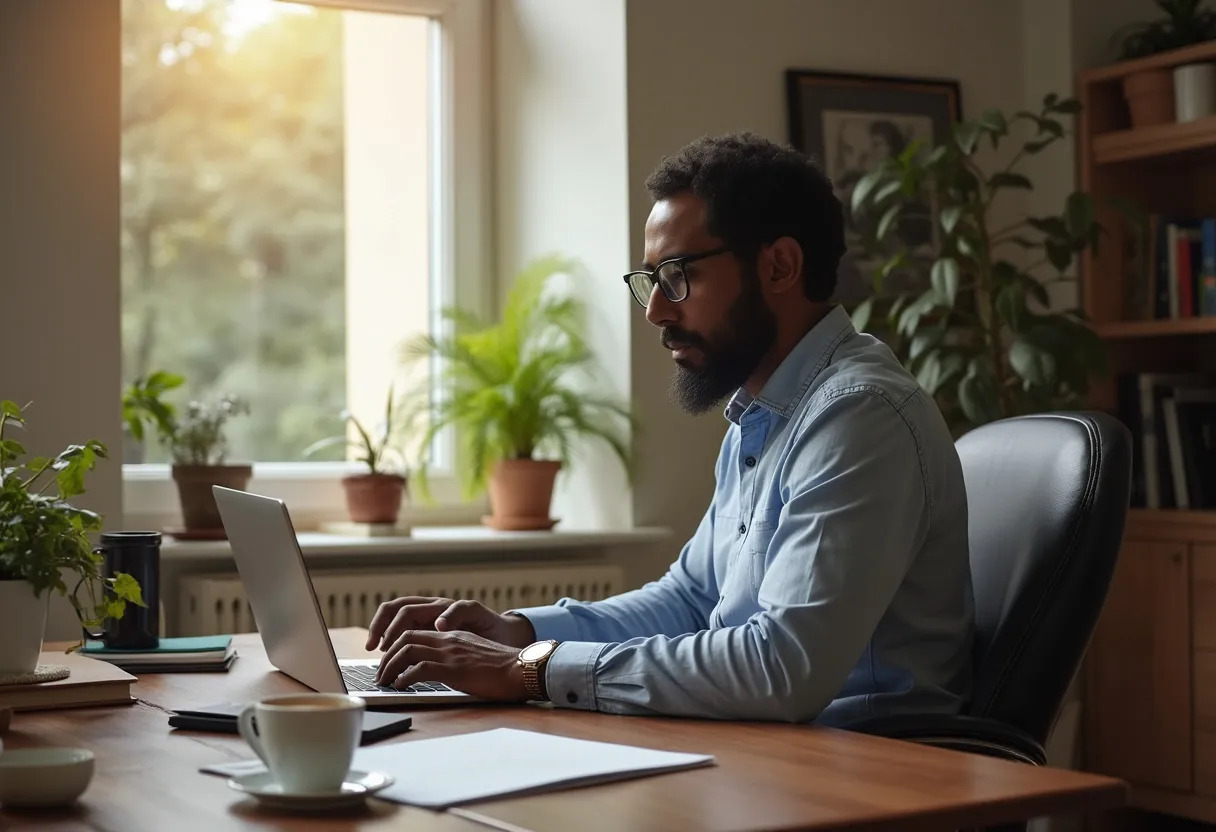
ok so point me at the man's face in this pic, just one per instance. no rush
(720, 331)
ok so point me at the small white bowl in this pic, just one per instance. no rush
(36, 777)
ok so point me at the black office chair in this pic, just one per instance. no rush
(1047, 498)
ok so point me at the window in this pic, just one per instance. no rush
(287, 208)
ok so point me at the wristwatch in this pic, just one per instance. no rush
(533, 659)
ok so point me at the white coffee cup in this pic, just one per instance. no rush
(306, 740)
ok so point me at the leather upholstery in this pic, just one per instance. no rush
(1047, 498)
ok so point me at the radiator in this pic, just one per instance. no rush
(214, 604)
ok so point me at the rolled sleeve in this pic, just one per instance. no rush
(570, 674)
(552, 622)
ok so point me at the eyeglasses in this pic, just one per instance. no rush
(669, 275)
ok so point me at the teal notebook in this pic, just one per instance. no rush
(194, 644)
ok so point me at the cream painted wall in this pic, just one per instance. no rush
(710, 66)
(59, 226)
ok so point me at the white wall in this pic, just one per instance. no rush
(562, 187)
(59, 226)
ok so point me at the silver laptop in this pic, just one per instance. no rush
(285, 607)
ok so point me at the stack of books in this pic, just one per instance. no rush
(204, 654)
(90, 683)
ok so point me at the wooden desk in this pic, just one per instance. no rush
(767, 777)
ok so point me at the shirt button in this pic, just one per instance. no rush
(742, 529)
(750, 462)
(571, 697)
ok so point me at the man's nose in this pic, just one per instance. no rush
(659, 310)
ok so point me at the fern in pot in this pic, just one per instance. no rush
(197, 443)
(508, 389)
(979, 333)
(43, 539)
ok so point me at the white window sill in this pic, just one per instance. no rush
(432, 540)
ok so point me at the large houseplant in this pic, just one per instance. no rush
(980, 336)
(508, 389)
(197, 445)
(372, 496)
(43, 537)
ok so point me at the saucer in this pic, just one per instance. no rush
(357, 786)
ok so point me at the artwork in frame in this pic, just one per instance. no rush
(849, 123)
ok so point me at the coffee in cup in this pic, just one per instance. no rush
(306, 740)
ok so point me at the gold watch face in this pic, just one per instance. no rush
(536, 651)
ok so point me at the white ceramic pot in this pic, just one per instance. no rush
(23, 623)
(1194, 91)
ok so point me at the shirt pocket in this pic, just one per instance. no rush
(758, 541)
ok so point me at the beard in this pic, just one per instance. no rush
(730, 355)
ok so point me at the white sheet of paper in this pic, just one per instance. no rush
(446, 771)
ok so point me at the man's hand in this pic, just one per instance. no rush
(445, 615)
(460, 660)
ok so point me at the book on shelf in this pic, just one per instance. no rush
(1172, 419)
(90, 682)
(1169, 268)
(175, 655)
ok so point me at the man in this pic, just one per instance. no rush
(829, 578)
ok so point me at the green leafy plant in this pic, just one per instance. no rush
(1186, 22)
(980, 337)
(42, 535)
(506, 386)
(197, 438)
(377, 448)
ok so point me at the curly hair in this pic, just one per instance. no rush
(756, 191)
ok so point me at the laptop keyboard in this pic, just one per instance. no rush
(364, 679)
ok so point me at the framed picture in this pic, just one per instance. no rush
(849, 123)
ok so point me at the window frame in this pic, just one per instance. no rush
(460, 199)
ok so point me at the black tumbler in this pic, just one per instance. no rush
(138, 555)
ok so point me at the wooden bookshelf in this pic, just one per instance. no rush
(1150, 674)
(1154, 329)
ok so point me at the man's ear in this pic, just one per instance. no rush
(785, 265)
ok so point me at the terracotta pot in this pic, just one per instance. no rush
(1150, 97)
(23, 621)
(374, 498)
(199, 512)
(521, 491)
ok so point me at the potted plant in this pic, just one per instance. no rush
(979, 334)
(196, 443)
(43, 538)
(373, 496)
(506, 388)
(1150, 93)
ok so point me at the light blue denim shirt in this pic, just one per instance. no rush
(829, 579)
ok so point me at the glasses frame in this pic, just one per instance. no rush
(681, 262)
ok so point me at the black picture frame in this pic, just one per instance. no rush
(847, 122)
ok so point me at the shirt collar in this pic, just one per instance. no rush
(793, 376)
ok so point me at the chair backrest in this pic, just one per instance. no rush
(1047, 497)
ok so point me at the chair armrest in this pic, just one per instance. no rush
(978, 735)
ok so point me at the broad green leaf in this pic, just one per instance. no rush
(950, 216)
(1071, 106)
(1078, 214)
(922, 342)
(1050, 100)
(127, 588)
(1051, 226)
(1032, 363)
(893, 314)
(888, 221)
(9, 408)
(967, 136)
(944, 277)
(1011, 305)
(11, 448)
(1005, 179)
(1034, 147)
(1036, 290)
(864, 186)
(1024, 242)
(887, 190)
(1004, 272)
(993, 120)
(1058, 254)
(861, 314)
(930, 374)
